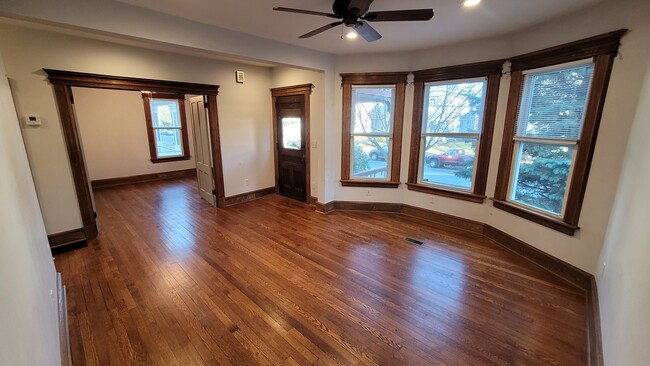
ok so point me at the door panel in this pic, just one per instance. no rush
(202, 153)
(291, 145)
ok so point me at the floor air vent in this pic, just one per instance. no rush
(414, 241)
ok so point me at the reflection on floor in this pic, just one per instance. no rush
(173, 281)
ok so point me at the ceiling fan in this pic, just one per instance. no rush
(355, 14)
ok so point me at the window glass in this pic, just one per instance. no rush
(541, 175)
(372, 109)
(168, 142)
(291, 133)
(370, 157)
(549, 122)
(452, 120)
(167, 128)
(165, 113)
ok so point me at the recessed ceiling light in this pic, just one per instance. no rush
(470, 3)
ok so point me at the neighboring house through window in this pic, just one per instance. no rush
(373, 109)
(166, 127)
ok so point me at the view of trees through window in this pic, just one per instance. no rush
(372, 119)
(549, 123)
(451, 127)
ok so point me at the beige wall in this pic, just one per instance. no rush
(114, 134)
(244, 109)
(28, 309)
(624, 283)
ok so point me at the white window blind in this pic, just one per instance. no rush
(553, 103)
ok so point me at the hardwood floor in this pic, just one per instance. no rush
(172, 281)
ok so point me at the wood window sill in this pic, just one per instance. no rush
(367, 183)
(550, 222)
(165, 160)
(465, 196)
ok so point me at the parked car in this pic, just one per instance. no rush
(451, 158)
(377, 154)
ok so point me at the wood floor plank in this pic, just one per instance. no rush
(173, 281)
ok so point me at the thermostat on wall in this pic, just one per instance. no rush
(32, 120)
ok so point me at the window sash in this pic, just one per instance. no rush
(388, 158)
(420, 177)
(514, 176)
(427, 95)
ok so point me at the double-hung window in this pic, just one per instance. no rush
(453, 119)
(554, 108)
(373, 106)
(166, 127)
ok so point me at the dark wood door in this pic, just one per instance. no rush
(291, 145)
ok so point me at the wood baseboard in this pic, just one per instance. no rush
(64, 331)
(110, 182)
(249, 196)
(567, 272)
(67, 240)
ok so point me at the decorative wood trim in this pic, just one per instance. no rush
(465, 196)
(398, 79)
(292, 90)
(603, 48)
(215, 142)
(547, 221)
(465, 71)
(64, 329)
(63, 97)
(249, 196)
(450, 221)
(374, 78)
(593, 326)
(146, 100)
(81, 79)
(602, 44)
(558, 267)
(311, 200)
(324, 207)
(67, 238)
(110, 182)
(62, 83)
(367, 206)
(367, 183)
(492, 71)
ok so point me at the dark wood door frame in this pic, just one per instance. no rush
(295, 90)
(62, 83)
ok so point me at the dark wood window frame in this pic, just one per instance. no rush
(603, 49)
(491, 70)
(146, 99)
(399, 80)
(62, 83)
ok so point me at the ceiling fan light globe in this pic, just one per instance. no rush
(351, 35)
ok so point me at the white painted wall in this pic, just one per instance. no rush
(244, 109)
(624, 284)
(114, 134)
(28, 309)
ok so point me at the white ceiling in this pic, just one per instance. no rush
(451, 23)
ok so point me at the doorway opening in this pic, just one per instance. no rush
(64, 81)
(292, 141)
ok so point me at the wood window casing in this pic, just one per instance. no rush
(396, 79)
(146, 98)
(491, 70)
(603, 49)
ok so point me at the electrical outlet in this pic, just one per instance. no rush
(246, 182)
(368, 193)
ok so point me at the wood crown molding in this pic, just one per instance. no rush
(292, 90)
(465, 71)
(606, 43)
(374, 78)
(81, 79)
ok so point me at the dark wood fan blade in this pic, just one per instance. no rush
(320, 30)
(362, 5)
(308, 12)
(366, 31)
(399, 15)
